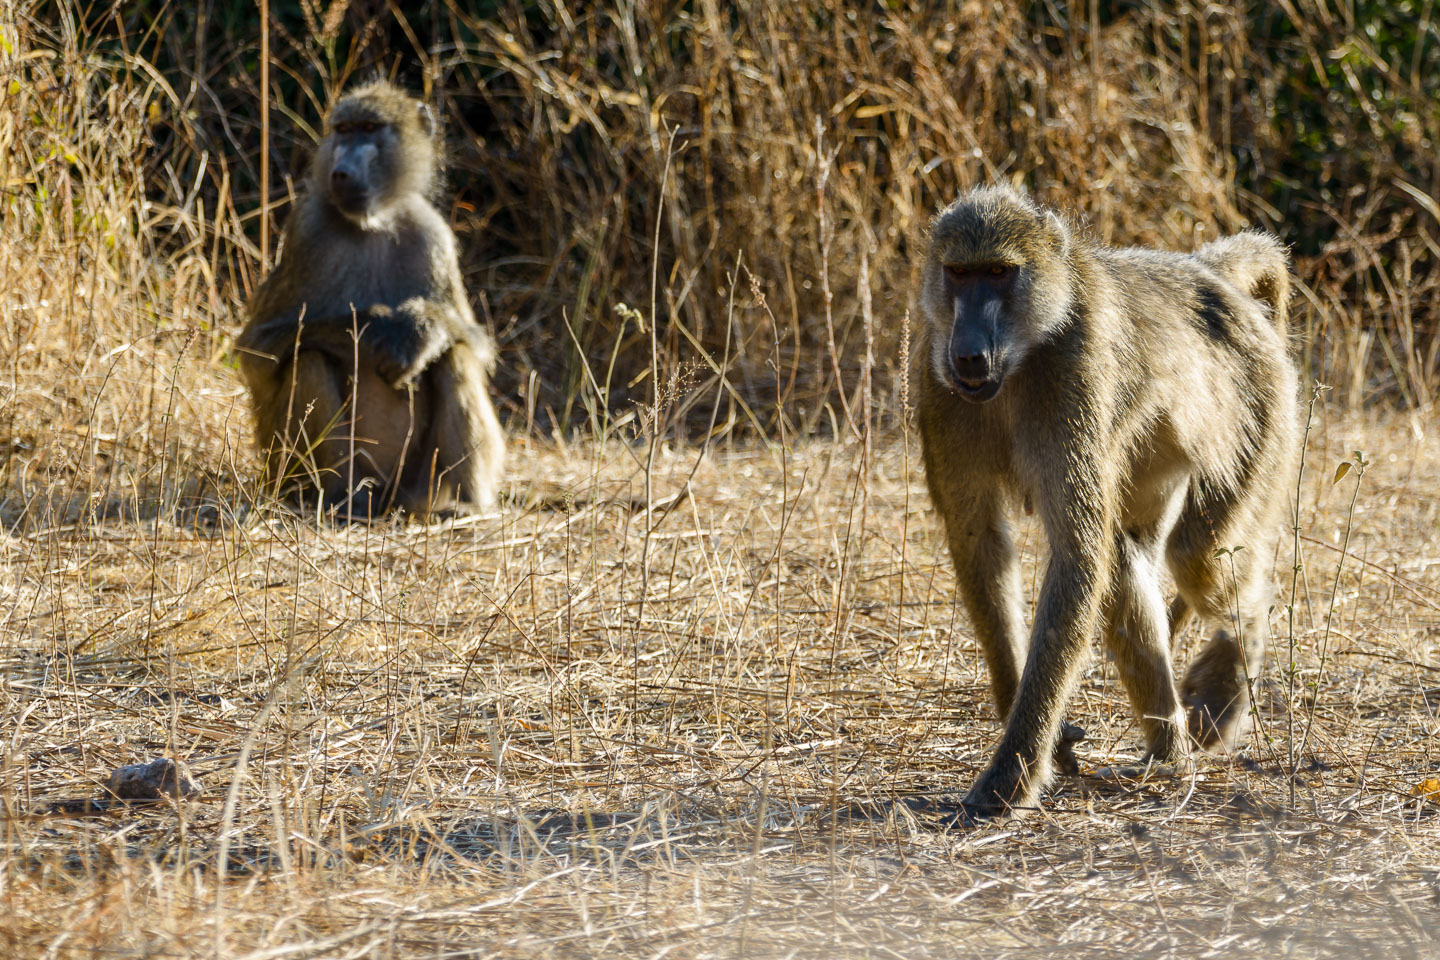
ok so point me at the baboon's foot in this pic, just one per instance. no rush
(1215, 694)
(1168, 755)
(1166, 741)
(1002, 791)
(1064, 756)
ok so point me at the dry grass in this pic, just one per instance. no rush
(807, 140)
(596, 723)
(477, 740)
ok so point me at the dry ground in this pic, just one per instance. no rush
(576, 728)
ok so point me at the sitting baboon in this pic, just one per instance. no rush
(367, 370)
(1144, 403)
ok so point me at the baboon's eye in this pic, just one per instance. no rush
(970, 272)
(369, 126)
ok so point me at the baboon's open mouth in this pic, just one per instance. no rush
(977, 391)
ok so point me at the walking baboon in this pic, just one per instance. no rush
(366, 368)
(1144, 402)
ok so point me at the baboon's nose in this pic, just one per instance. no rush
(974, 368)
(339, 177)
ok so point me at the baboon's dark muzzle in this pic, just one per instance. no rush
(971, 368)
(975, 375)
(348, 192)
(975, 368)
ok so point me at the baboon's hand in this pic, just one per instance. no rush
(1002, 789)
(406, 340)
(953, 814)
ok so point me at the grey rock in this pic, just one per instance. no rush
(153, 781)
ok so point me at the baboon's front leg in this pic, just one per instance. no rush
(410, 337)
(1078, 526)
(987, 571)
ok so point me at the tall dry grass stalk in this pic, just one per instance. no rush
(1157, 123)
(264, 134)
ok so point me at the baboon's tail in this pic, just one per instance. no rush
(1256, 263)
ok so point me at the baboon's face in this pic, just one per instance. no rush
(361, 166)
(995, 287)
(375, 151)
(975, 353)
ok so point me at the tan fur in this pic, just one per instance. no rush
(367, 371)
(1145, 402)
(1257, 263)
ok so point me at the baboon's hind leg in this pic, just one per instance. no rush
(1216, 688)
(459, 468)
(388, 426)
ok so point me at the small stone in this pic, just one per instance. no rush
(153, 781)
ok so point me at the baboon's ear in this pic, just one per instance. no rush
(426, 118)
(1059, 232)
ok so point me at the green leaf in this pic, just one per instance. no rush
(1341, 471)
